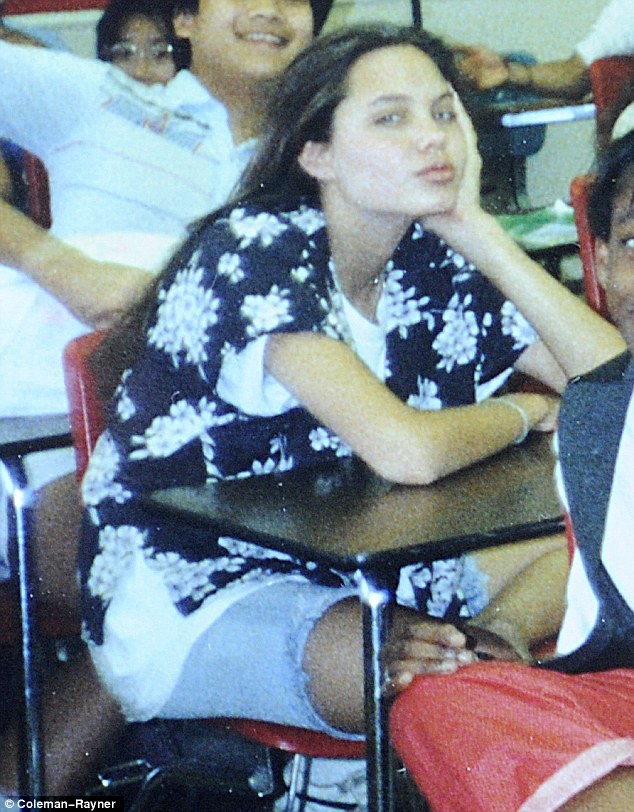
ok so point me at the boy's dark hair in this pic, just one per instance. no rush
(612, 166)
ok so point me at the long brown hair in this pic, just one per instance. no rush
(301, 109)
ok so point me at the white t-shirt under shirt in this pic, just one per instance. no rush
(617, 552)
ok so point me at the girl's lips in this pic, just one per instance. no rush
(438, 173)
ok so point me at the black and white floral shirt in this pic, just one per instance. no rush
(251, 272)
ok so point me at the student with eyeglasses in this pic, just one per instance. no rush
(138, 37)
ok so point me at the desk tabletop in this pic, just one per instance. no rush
(22, 435)
(345, 516)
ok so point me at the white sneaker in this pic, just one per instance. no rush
(334, 784)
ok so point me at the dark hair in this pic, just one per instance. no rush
(307, 94)
(612, 166)
(321, 9)
(301, 109)
(119, 12)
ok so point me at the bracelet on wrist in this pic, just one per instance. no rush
(526, 423)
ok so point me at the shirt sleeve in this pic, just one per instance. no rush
(240, 279)
(611, 35)
(44, 94)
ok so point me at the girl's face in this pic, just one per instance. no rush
(143, 52)
(396, 146)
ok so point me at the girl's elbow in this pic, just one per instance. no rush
(407, 466)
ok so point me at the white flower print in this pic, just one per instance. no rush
(321, 439)
(300, 274)
(277, 462)
(266, 313)
(186, 312)
(442, 580)
(427, 395)
(189, 579)
(403, 310)
(116, 546)
(99, 481)
(125, 406)
(458, 341)
(229, 266)
(246, 549)
(515, 325)
(308, 220)
(264, 227)
(166, 434)
(464, 268)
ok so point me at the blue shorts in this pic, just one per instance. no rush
(248, 664)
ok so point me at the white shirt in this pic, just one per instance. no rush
(121, 157)
(611, 35)
(617, 552)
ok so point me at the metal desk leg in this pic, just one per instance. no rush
(15, 479)
(376, 604)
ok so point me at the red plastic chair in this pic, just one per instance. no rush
(607, 78)
(87, 423)
(579, 194)
(38, 199)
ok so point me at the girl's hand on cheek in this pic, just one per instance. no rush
(467, 203)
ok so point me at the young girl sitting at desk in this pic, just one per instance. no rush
(333, 309)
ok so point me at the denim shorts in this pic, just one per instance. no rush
(248, 663)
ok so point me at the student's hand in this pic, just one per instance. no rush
(548, 422)
(498, 640)
(467, 206)
(482, 66)
(423, 646)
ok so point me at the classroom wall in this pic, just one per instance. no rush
(546, 28)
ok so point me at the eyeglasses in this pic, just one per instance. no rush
(131, 52)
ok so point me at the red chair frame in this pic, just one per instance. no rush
(579, 195)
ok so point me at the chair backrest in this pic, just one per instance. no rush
(608, 76)
(38, 200)
(87, 419)
(579, 194)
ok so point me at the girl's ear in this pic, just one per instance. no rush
(601, 260)
(314, 159)
(183, 22)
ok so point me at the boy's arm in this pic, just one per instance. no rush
(94, 292)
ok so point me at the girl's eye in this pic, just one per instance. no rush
(445, 115)
(628, 242)
(389, 118)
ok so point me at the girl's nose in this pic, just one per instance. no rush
(430, 134)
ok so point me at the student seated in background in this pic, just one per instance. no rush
(334, 308)
(138, 36)
(503, 737)
(611, 35)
